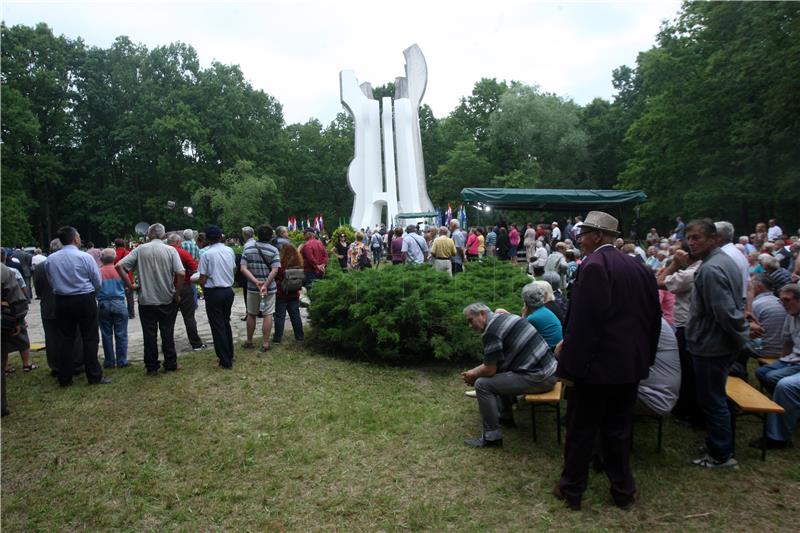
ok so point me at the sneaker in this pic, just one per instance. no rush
(105, 380)
(709, 462)
(198, 348)
(770, 444)
(480, 442)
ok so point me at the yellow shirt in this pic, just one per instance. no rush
(443, 247)
(481, 246)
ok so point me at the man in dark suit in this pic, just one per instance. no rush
(610, 342)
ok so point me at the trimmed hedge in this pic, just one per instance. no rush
(407, 313)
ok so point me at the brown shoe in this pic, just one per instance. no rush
(177, 367)
(573, 505)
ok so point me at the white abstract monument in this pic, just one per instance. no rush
(395, 181)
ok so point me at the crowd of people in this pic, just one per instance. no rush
(652, 327)
(653, 330)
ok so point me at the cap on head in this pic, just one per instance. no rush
(598, 220)
(213, 232)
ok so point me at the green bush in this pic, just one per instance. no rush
(296, 237)
(409, 313)
(349, 232)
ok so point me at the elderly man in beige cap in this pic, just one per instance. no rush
(610, 342)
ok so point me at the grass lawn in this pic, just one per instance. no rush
(294, 441)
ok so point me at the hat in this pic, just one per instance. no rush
(554, 223)
(601, 221)
(213, 232)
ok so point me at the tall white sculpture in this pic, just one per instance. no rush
(398, 184)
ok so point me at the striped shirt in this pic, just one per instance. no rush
(770, 313)
(512, 344)
(255, 263)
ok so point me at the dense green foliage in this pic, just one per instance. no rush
(408, 313)
(719, 119)
(706, 123)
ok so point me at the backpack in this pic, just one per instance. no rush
(363, 259)
(293, 280)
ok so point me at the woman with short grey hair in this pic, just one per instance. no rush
(534, 298)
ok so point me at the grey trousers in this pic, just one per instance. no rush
(490, 390)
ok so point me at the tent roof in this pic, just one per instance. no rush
(552, 199)
(424, 214)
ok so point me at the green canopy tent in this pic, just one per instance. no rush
(426, 216)
(553, 199)
(570, 200)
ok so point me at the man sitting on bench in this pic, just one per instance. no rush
(516, 360)
(658, 393)
(787, 389)
(789, 364)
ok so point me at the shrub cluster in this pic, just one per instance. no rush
(409, 313)
(333, 236)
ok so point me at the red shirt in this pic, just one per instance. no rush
(315, 258)
(122, 252)
(189, 265)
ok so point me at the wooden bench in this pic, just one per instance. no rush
(767, 359)
(750, 402)
(552, 399)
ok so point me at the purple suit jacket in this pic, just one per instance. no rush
(613, 322)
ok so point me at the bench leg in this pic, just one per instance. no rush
(558, 422)
(660, 430)
(533, 421)
(733, 428)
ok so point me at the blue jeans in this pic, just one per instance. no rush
(376, 256)
(112, 316)
(769, 375)
(293, 307)
(711, 374)
(787, 395)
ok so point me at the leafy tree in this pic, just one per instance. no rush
(464, 168)
(718, 132)
(38, 78)
(539, 135)
(240, 198)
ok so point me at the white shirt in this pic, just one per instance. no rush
(555, 234)
(774, 232)
(415, 246)
(38, 259)
(741, 262)
(218, 264)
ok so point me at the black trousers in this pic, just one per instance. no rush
(687, 406)
(153, 319)
(52, 340)
(607, 410)
(77, 315)
(187, 308)
(218, 308)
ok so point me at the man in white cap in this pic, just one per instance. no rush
(555, 233)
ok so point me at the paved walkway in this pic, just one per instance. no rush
(135, 340)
